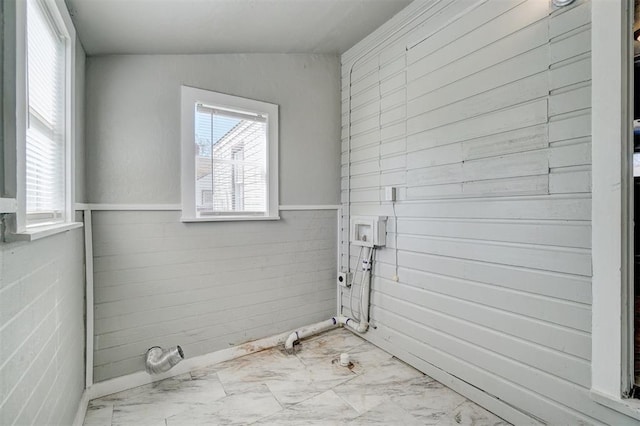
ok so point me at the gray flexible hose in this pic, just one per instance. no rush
(159, 360)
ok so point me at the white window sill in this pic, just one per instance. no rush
(227, 218)
(629, 406)
(43, 231)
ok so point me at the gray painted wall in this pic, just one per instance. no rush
(206, 286)
(482, 120)
(42, 331)
(133, 121)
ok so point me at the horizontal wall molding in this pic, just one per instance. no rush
(310, 207)
(178, 207)
(129, 207)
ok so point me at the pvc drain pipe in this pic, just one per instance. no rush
(160, 360)
(344, 359)
(359, 327)
(309, 331)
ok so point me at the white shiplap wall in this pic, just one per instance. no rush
(42, 330)
(205, 286)
(42, 288)
(479, 113)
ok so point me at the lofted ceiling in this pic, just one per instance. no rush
(227, 26)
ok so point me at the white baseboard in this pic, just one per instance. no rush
(81, 413)
(140, 378)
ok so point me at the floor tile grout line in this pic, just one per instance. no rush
(274, 396)
(351, 405)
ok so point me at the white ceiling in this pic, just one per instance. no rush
(227, 26)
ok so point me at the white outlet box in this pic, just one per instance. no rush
(368, 231)
(390, 193)
(344, 279)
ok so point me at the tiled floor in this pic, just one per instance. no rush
(310, 387)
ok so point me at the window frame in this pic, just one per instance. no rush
(612, 207)
(17, 225)
(190, 96)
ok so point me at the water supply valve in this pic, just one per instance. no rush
(368, 231)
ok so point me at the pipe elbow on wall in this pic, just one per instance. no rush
(309, 331)
(159, 360)
(358, 327)
(291, 340)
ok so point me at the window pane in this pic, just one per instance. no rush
(230, 162)
(45, 146)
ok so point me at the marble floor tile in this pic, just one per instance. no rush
(430, 402)
(265, 366)
(326, 372)
(366, 357)
(386, 413)
(207, 371)
(307, 387)
(324, 409)
(293, 391)
(285, 375)
(151, 404)
(242, 408)
(470, 414)
(98, 414)
(390, 378)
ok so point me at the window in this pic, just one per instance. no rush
(45, 52)
(45, 141)
(229, 157)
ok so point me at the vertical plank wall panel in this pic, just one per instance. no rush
(490, 237)
(205, 286)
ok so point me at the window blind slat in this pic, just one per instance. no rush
(45, 147)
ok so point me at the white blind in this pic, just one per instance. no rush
(231, 149)
(45, 142)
